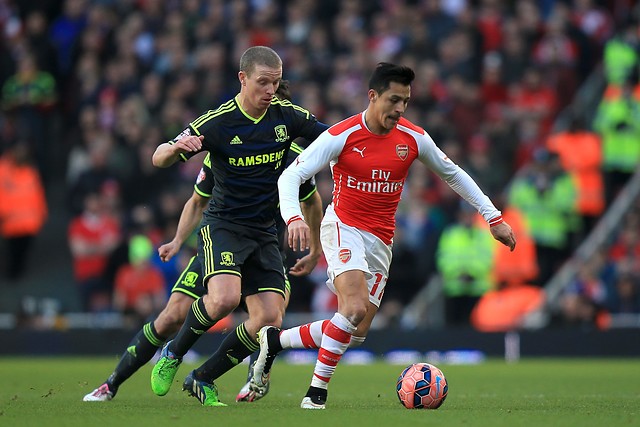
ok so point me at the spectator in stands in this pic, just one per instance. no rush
(464, 107)
(500, 132)
(492, 87)
(514, 52)
(28, 91)
(584, 169)
(465, 262)
(546, 195)
(617, 122)
(23, 206)
(93, 235)
(583, 300)
(505, 308)
(626, 246)
(29, 97)
(490, 22)
(94, 173)
(518, 267)
(594, 20)
(530, 138)
(139, 288)
(621, 54)
(490, 175)
(625, 297)
(39, 42)
(66, 29)
(534, 98)
(557, 54)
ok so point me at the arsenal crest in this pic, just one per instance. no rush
(344, 255)
(402, 150)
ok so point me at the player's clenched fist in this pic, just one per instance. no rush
(189, 144)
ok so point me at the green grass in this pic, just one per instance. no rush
(551, 392)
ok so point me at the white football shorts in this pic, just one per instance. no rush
(348, 248)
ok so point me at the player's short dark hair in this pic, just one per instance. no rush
(386, 73)
(259, 55)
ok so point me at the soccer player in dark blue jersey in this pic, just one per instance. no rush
(189, 285)
(247, 138)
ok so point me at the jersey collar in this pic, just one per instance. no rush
(253, 119)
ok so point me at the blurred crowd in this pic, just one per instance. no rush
(91, 87)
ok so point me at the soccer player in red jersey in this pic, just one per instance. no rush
(369, 155)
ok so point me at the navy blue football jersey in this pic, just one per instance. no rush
(204, 186)
(247, 156)
(204, 182)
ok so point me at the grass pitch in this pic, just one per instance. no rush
(540, 392)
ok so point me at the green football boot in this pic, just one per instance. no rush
(164, 371)
(206, 393)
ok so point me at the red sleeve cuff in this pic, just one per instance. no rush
(495, 221)
(295, 218)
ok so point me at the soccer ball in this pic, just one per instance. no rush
(422, 386)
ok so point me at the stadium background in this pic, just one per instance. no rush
(495, 82)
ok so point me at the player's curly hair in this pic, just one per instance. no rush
(385, 73)
(283, 92)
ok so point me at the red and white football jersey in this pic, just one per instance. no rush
(369, 172)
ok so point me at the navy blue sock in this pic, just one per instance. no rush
(197, 323)
(234, 349)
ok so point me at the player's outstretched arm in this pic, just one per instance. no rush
(504, 234)
(189, 219)
(167, 154)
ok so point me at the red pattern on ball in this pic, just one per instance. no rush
(422, 386)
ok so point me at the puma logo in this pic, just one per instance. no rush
(361, 152)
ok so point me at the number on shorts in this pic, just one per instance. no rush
(379, 279)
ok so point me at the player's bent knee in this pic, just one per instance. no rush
(273, 318)
(220, 304)
(355, 313)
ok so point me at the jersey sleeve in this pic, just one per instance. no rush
(459, 180)
(204, 181)
(318, 155)
(307, 189)
(307, 126)
(188, 131)
(309, 186)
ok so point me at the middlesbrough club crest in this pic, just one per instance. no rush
(402, 150)
(344, 255)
